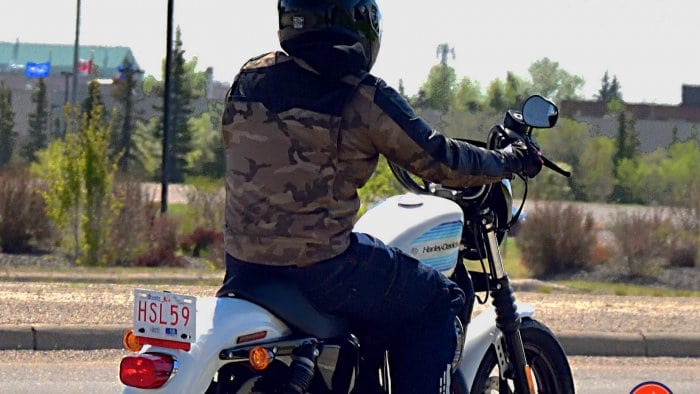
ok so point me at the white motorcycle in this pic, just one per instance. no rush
(268, 338)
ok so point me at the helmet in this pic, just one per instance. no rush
(343, 22)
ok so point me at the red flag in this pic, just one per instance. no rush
(85, 66)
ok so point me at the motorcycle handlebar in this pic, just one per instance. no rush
(554, 167)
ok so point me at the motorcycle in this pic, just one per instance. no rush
(267, 337)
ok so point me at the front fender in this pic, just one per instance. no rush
(220, 321)
(481, 334)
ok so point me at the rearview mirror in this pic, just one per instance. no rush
(540, 112)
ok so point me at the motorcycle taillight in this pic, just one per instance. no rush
(146, 371)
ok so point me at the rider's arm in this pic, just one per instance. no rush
(404, 138)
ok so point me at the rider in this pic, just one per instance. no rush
(303, 130)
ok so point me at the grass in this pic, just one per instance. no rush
(511, 260)
(515, 270)
(623, 289)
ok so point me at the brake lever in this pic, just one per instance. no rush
(554, 167)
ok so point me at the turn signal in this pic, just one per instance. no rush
(259, 358)
(131, 343)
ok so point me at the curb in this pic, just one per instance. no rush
(599, 344)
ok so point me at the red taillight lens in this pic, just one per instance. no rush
(146, 371)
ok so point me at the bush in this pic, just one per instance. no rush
(206, 205)
(23, 219)
(200, 239)
(642, 242)
(207, 244)
(163, 246)
(556, 238)
(683, 238)
(132, 225)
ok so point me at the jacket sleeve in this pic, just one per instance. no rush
(407, 140)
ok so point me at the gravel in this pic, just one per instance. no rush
(61, 303)
(111, 304)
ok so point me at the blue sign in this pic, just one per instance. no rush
(37, 70)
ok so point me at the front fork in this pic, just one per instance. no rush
(507, 318)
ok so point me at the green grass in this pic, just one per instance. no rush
(515, 269)
(511, 261)
(623, 289)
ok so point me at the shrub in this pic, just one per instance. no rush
(199, 240)
(22, 212)
(642, 241)
(683, 239)
(207, 207)
(207, 244)
(163, 245)
(556, 238)
(132, 225)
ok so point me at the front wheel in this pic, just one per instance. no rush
(544, 354)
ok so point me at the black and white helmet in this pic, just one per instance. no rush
(346, 22)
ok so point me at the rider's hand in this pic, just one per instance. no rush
(528, 156)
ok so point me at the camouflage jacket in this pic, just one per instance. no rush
(298, 146)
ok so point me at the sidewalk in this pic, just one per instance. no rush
(681, 342)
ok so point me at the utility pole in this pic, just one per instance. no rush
(75, 54)
(166, 111)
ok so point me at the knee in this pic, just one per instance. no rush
(449, 299)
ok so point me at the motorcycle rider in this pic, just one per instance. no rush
(303, 130)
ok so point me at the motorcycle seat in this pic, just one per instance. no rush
(287, 302)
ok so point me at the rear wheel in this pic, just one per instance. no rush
(545, 356)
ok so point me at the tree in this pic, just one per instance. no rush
(92, 101)
(496, 96)
(7, 124)
(38, 122)
(551, 81)
(467, 96)
(187, 85)
(567, 145)
(439, 88)
(516, 90)
(124, 94)
(626, 152)
(609, 90)
(207, 157)
(79, 175)
(627, 145)
(596, 175)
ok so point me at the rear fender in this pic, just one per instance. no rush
(481, 334)
(221, 322)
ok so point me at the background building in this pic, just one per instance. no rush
(95, 62)
(655, 123)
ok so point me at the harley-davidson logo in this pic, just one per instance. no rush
(439, 247)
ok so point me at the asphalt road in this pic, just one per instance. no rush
(95, 372)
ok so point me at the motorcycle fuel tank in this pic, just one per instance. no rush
(425, 227)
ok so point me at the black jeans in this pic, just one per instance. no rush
(404, 306)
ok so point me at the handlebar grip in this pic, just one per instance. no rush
(554, 167)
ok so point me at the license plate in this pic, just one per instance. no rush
(164, 315)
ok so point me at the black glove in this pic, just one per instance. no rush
(527, 157)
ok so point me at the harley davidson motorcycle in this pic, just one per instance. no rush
(269, 338)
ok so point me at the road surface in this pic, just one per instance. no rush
(96, 372)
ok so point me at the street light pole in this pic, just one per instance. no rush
(166, 111)
(75, 53)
